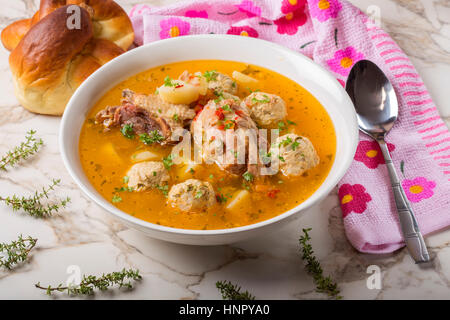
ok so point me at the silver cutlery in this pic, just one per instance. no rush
(377, 110)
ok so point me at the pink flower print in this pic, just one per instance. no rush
(249, 8)
(353, 198)
(290, 23)
(344, 60)
(196, 14)
(418, 189)
(245, 31)
(324, 9)
(292, 5)
(369, 153)
(173, 27)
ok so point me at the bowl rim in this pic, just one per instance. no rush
(104, 204)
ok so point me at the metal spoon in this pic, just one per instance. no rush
(377, 109)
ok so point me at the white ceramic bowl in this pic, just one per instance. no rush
(293, 65)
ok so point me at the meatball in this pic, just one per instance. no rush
(265, 109)
(220, 82)
(192, 195)
(296, 154)
(146, 175)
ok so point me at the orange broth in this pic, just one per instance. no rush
(106, 156)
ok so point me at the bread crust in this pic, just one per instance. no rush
(110, 22)
(51, 61)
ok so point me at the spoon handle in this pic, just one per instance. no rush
(411, 233)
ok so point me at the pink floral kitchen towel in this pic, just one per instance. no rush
(335, 34)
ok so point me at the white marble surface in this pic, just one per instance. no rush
(270, 266)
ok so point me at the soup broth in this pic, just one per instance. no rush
(106, 156)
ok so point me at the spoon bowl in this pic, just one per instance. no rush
(374, 98)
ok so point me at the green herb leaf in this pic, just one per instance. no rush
(116, 198)
(22, 151)
(323, 284)
(127, 131)
(295, 145)
(168, 82)
(199, 194)
(15, 252)
(248, 176)
(230, 291)
(210, 75)
(221, 198)
(167, 161)
(90, 283)
(153, 137)
(34, 205)
(281, 126)
(164, 189)
(292, 123)
(266, 100)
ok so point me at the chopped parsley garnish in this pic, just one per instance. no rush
(219, 96)
(191, 170)
(281, 158)
(199, 194)
(175, 117)
(124, 189)
(168, 82)
(229, 124)
(154, 173)
(281, 125)
(126, 179)
(285, 142)
(127, 131)
(221, 198)
(266, 100)
(265, 157)
(226, 107)
(151, 138)
(210, 75)
(211, 176)
(292, 123)
(167, 161)
(116, 198)
(295, 145)
(164, 189)
(248, 176)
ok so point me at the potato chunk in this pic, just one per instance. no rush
(244, 79)
(179, 92)
(240, 198)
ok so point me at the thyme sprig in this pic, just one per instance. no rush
(34, 205)
(16, 252)
(230, 291)
(323, 284)
(89, 283)
(21, 152)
